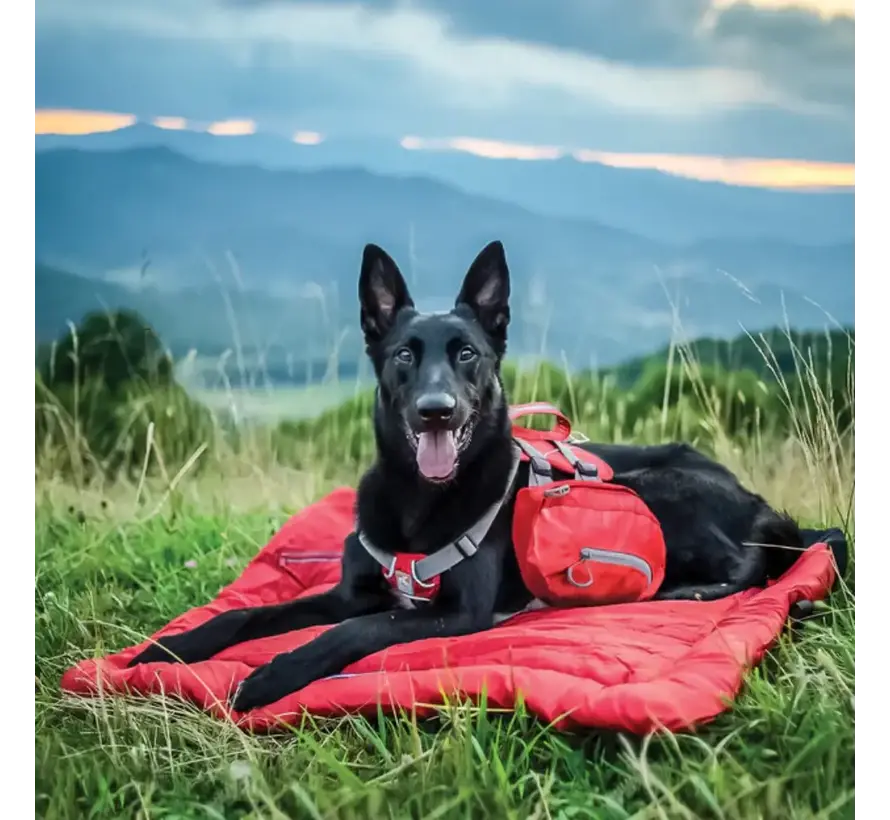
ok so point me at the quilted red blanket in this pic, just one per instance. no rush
(631, 667)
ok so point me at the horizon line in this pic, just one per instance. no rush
(777, 173)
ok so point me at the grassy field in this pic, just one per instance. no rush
(116, 560)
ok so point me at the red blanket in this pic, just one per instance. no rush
(631, 667)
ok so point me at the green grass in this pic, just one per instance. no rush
(117, 557)
(785, 750)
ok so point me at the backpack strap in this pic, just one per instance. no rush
(541, 471)
(433, 565)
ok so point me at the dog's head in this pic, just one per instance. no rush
(438, 374)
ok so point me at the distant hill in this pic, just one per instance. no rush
(225, 256)
(646, 202)
(189, 320)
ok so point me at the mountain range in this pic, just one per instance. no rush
(646, 202)
(255, 245)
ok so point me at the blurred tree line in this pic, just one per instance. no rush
(107, 394)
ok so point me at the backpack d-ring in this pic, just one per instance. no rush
(570, 574)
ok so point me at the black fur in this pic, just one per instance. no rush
(443, 371)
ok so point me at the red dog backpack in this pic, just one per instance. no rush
(580, 540)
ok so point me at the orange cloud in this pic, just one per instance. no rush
(170, 123)
(760, 173)
(490, 149)
(308, 138)
(232, 128)
(64, 121)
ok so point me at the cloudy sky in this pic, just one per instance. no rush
(707, 85)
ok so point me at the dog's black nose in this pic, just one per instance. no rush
(436, 407)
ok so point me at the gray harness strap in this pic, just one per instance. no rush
(431, 566)
(448, 556)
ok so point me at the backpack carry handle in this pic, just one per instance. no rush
(562, 428)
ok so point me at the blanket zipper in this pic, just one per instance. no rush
(294, 557)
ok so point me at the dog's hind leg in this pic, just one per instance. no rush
(780, 538)
(773, 544)
(745, 568)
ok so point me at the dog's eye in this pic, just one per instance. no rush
(466, 354)
(404, 356)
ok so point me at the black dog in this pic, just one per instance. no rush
(444, 457)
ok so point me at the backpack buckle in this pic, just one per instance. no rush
(586, 471)
(541, 466)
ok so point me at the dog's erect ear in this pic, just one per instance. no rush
(486, 290)
(382, 293)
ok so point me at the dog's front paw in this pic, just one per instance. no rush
(269, 683)
(260, 688)
(156, 653)
(170, 649)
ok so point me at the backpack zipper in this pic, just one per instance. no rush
(620, 559)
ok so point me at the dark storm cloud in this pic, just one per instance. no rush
(793, 47)
(645, 32)
(175, 57)
(811, 55)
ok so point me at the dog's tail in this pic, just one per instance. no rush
(773, 546)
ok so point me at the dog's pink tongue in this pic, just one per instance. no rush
(436, 454)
